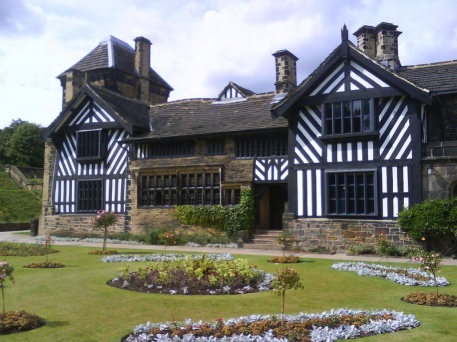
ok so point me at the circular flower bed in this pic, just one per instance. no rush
(164, 257)
(324, 327)
(194, 275)
(431, 299)
(290, 259)
(19, 321)
(98, 252)
(403, 276)
(44, 265)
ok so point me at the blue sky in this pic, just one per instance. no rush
(201, 45)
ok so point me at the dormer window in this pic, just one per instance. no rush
(348, 117)
(90, 145)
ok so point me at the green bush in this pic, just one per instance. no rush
(230, 219)
(432, 221)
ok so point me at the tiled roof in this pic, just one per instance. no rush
(201, 117)
(133, 112)
(114, 53)
(436, 77)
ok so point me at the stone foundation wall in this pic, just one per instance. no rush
(74, 223)
(339, 235)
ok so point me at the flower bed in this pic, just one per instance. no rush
(403, 276)
(44, 265)
(194, 275)
(163, 257)
(288, 259)
(324, 327)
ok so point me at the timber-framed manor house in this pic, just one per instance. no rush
(332, 159)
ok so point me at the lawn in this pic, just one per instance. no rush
(79, 306)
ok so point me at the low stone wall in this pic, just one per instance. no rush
(339, 235)
(19, 175)
(76, 223)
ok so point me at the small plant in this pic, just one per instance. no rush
(6, 272)
(168, 238)
(383, 247)
(285, 279)
(103, 221)
(285, 240)
(431, 262)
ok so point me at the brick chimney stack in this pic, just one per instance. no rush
(286, 71)
(380, 43)
(142, 66)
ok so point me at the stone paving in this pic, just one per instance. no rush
(17, 236)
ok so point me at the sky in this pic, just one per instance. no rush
(198, 46)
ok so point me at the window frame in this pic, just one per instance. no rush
(351, 196)
(341, 122)
(89, 149)
(215, 147)
(86, 199)
(198, 188)
(261, 146)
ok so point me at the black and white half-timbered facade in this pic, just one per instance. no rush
(333, 159)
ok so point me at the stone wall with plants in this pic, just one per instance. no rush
(340, 235)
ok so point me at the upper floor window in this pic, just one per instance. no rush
(348, 117)
(267, 146)
(90, 145)
(165, 149)
(215, 146)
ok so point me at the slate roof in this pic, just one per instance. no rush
(114, 53)
(437, 77)
(133, 112)
(196, 117)
(132, 115)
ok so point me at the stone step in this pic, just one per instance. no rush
(264, 246)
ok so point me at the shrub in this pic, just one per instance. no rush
(431, 220)
(363, 248)
(230, 219)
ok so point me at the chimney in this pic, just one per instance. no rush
(71, 83)
(142, 67)
(286, 71)
(366, 40)
(380, 43)
(387, 45)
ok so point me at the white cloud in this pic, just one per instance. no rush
(200, 45)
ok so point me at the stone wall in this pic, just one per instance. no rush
(339, 235)
(73, 222)
(234, 172)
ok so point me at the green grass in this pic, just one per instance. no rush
(79, 306)
(17, 204)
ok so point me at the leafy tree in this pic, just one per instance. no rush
(26, 148)
(5, 137)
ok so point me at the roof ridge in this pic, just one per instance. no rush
(113, 40)
(452, 61)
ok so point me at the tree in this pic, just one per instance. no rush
(5, 137)
(26, 148)
(103, 221)
(285, 279)
(6, 272)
